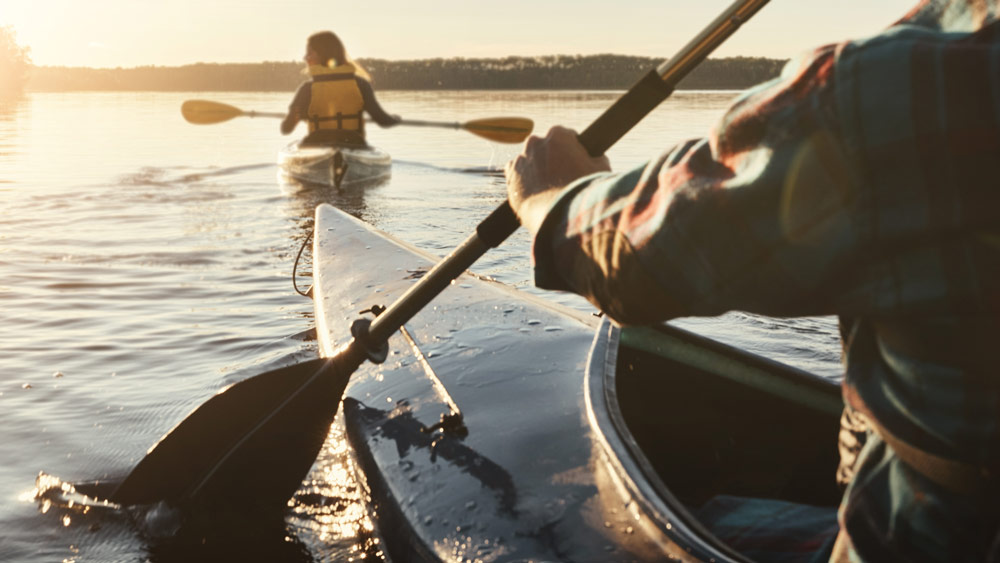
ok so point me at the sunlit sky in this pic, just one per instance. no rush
(127, 33)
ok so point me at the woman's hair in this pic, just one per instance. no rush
(328, 47)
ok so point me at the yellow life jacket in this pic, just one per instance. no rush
(336, 102)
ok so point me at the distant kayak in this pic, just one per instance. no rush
(336, 166)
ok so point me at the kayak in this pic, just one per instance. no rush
(505, 427)
(337, 166)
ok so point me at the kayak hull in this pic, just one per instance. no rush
(333, 166)
(493, 430)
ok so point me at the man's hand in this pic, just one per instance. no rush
(543, 169)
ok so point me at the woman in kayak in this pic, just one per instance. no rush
(335, 100)
(861, 183)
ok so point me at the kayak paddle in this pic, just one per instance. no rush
(206, 112)
(497, 129)
(251, 445)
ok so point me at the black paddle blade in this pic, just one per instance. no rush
(250, 446)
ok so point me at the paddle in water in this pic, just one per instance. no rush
(251, 445)
(248, 447)
(497, 129)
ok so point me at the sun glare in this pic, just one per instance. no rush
(120, 33)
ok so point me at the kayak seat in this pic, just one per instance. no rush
(706, 435)
(771, 530)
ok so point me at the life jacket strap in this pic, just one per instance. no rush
(339, 118)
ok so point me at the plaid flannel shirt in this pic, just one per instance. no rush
(863, 182)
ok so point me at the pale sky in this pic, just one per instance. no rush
(128, 33)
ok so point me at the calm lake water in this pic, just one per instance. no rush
(145, 263)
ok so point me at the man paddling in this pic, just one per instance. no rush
(335, 100)
(861, 183)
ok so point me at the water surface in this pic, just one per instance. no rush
(145, 263)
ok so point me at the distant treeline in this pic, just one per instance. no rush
(574, 72)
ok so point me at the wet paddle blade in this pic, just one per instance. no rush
(250, 446)
(205, 112)
(501, 129)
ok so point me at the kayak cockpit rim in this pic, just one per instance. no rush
(685, 354)
(632, 470)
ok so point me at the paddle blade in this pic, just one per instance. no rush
(247, 448)
(501, 129)
(205, 112)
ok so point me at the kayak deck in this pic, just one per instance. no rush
(556, 444)
(515, 479)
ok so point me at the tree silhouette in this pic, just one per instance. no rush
(553, 72)
(15, 63)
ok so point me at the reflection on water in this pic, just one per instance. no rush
(307, 195)
(145, 263)
(11, 108)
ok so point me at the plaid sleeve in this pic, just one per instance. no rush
(861, 182)
(749, 217)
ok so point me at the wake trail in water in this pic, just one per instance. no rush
(198, 176)
(154, 176)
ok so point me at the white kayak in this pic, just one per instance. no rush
(337, 166)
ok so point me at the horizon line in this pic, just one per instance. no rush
(153, 65)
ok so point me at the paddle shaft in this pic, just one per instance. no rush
(264, 114)
(489, 233)
(422, 123)
(657, 86)
(604, 132)
(515, 124)
(414, 122)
